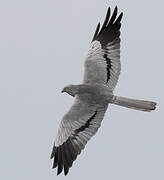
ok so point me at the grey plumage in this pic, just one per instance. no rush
(135, 104)
(92, 97)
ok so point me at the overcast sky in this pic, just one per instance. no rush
(43, 45)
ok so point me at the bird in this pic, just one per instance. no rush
(91, 98)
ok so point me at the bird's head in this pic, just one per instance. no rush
(70, 89)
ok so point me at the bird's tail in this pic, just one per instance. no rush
(134, 104)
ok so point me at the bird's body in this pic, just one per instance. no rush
(95, 93)
(92, 97)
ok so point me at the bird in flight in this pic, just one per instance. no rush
(93, 95)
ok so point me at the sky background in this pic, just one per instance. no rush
(43, 45)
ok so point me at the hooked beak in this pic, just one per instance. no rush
(63, 90)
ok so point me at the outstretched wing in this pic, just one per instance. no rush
(76, 128)
(102, 64)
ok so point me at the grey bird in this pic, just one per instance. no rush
(93, 95)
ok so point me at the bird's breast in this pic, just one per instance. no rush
(97, 93)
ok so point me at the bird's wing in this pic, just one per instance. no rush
(78, 125)
(102, 64)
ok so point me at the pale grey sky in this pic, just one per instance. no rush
(42, 48)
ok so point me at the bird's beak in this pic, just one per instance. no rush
(64, 90)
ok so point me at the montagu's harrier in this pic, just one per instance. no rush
(102, 69)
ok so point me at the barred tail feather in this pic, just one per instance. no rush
(135, 104)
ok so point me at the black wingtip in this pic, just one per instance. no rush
(98, 26)
(120, 16)
(118, 20)
(54, 164)
(60, 168)
(110, 28)
(53, 152)
(108, 12)
(106, 20)
(114, 15)
(96, 32)
(52, 155)
(115, 10)
(64, 155)
(108, 9)
(66, 170)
